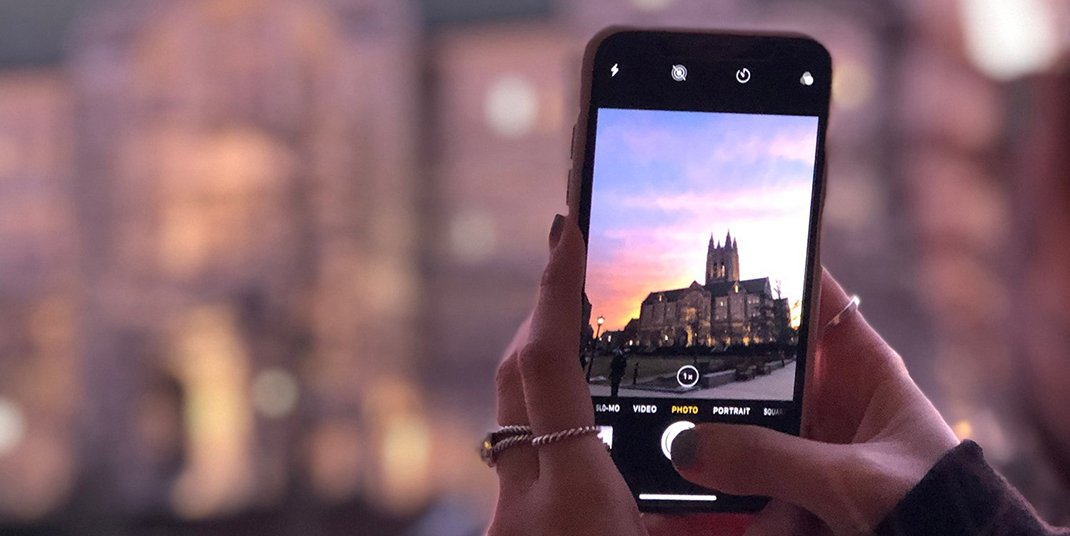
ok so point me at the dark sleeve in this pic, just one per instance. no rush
(961, 495)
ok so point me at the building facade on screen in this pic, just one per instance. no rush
(725, 311)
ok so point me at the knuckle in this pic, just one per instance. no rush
(540, 358)
(552, 277)
(507, 377)
(561, 273)
(531, 361)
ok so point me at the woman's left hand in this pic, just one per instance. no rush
(572, 486)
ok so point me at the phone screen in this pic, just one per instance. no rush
(703, 176)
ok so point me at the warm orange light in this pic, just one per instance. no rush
(963, 429)
(403, 440)
(211, 360)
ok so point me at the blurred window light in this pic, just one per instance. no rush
(652, 5)
(511, 106)
(852, 85)
(473, 236)
(405, 443)
(963, 429)
(1007, 40)
(336, 459)
(9, 155)
(454, 12)
(211, 360)
(406, 448)
(275, 393)
(12, 426)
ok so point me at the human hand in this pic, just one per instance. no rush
(569, 487)
(870, 436)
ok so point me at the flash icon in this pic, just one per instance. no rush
(613, 70)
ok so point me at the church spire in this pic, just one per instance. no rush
(722, 261)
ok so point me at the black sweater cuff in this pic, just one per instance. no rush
(961, 495)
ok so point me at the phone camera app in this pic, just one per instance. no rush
(696, 264)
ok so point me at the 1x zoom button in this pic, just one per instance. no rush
(687, 376)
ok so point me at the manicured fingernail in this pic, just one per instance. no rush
(555, 230)
(685, 449)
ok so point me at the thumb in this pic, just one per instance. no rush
(750, 460)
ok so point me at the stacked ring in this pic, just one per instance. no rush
(497, 441)
(546, 439)
(494, 443)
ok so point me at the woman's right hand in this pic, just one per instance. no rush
(870, 436)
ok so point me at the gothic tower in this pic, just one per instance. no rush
(722, 261)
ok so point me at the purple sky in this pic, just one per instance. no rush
(664, 181)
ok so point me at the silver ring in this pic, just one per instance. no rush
(546, 439)
(851, 307)
(497, 441)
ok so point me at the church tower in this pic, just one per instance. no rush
(722, 261)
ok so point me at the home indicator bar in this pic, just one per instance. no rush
(674, 497)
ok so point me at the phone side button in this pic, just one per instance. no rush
(568, 186)
(572, 143)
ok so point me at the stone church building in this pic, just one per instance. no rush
(724, 311)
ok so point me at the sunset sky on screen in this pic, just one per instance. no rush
(665, 180)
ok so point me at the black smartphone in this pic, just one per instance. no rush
(698, 177)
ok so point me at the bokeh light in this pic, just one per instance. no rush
(275, 392)
(12, 426)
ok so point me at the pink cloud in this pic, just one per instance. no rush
(778, 199)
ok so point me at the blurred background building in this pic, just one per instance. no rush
(258, 258)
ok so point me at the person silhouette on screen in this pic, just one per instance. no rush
(617, 368)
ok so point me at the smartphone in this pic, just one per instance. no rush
(698, 177)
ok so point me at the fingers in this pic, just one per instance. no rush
(555, 392)
(833, 298)
(780, 518)
(520, 338)
(851, 361)
(852, 341)
(517, 466)
(750, 460)
(556, 395)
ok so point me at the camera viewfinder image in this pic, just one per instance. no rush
(697, 254)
